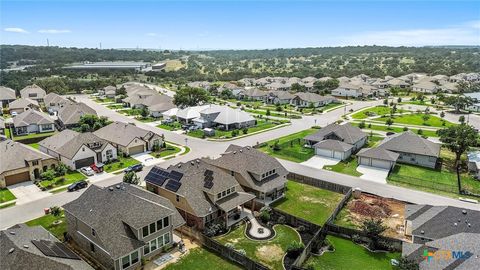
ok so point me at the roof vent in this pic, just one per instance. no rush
(234, 152)
(11, 250)
(179, 165)
(110, 188)
(455, 224)
(25, 246)
(464, 212)
(198, 160)
(422, 232)
(117, 186)
(193, 163)
(469, 225)
(241, 150)
(12, 233)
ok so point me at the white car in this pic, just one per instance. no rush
(87, 171)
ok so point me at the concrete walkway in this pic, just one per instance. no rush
(255, 226)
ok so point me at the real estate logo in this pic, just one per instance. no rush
(445, 255)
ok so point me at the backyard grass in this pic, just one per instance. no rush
(291, 147)
(373, 140)
(47, 221)
(33, 135)
(202, 258)
(169, 150)
(348, 166)
(416, 119)
(268, 252)
(122, 162)
(307, 202)
(226, 134)
(428, 133)
(69, 178)
(6, 195)
(378, 110)
(347, 255)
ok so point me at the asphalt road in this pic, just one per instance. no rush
(203, 148)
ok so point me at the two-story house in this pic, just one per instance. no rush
(201, 192)
(120, 225)
(77, 150)
(129, 139)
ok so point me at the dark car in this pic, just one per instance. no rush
(77, 185)
(134, 168)
(390, 133)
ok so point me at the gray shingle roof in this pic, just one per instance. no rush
(123, 133)
(281, 94)
(31, 117)
(22, 154)
(107, 210)
(18, 238)
(2, 123)
(33, 89)
(378, 153)
(246, 160)
(68, 142)
(312, 97)
(22, 103)
(409, 142)
(348, 133)
(7, 93)
(333, 145)
(70, 114)
(225, 115)
(53, 98)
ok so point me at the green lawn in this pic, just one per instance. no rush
(169, 150)
(416, 119)
(331, 106)
(69, 178)
(171, 126)
(307, 202)
(146, 119)
(6, 195)
(47, 221)
(34, 145)
(34, 135)
(122, 162)
(202, 258)
(116, 106)
(428, 133)
(104, 100)
(291, 147)
(348, 166)
(275, 113)
(130, 111)
(226, 134)
(268, 252)
(378, 110)
(348, 255)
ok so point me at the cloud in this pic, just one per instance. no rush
(464, 34)
(16, 30)
(151, 34)
(54, 31)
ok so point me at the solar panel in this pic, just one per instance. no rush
(173, 185)
(208, 184)
(208, 178)
(177, 176)
(157, 176)
(54, 249)
(208, 172)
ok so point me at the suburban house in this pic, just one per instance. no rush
(476, 101)
(412, 149)
(2, 126)
(442, 228)
(279, 97)
(54, 102)
(27, 165)
(202, 193)
(34, 92)
(252, 94)
(7, 95)
(137, 96)
(473, 159)
(397, 82)
(120, 225)
(228, 118)
(256, 172)
(24, 247)
(109, 91)
(32, 121)
(23, 104)
(307, 99)
(70, 114)
(337, 141)
(377, 157)
(425, 86)
(200, 84)
(77, 150)
(186, 115)
(128, 138)
(357, 90)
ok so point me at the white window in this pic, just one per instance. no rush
(109, 154)
(129, 260)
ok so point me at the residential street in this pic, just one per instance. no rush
(203, 148)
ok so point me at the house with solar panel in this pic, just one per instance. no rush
(202, 193)
(24, 247)
(119, 225)
(256, 172)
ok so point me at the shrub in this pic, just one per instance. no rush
(214, 229)
(361, 125)
(242, 251)
(405, 128)
(245, 130)
(234, 133)
(48, 175)
(265, 216)
(55, 211)
(294, 249)
(61, 169)
(229, 245)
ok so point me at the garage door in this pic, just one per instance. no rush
(85, 162)
(135, 150)
(324, 152)
(338, 155)
(381, 164)
(17, 178)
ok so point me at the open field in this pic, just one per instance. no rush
(307, 202)
(378, 110)
(378, 127)
(291, 147)
(416, 119)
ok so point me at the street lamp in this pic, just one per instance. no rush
(186, 141)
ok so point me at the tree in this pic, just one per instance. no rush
(373, 228)
(458, 102)
(389, 122)
(442, 114)
(326, 86)
(407, 264)
(131, 178)
(226, 94)
(91, 122)
(362, 125)
(425, 118)
(385, 102)
(297, 87)
(55, 211)
(399, 99)
(458, 139)
(48, 175)
(121, 91)
(190, 96)
(461, 119)
(144, 112)
(267, 112)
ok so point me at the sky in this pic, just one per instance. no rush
(238, 24)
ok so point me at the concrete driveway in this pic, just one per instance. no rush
(373, 174)
(146, 159)
(27, 192)
(318, 162)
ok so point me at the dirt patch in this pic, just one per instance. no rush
(269, 253)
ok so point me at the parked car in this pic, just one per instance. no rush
(14, 113)
(98, 168)
(87, 171)
(134, 168)
(77, 185)
(168, 121)
(390, 133)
